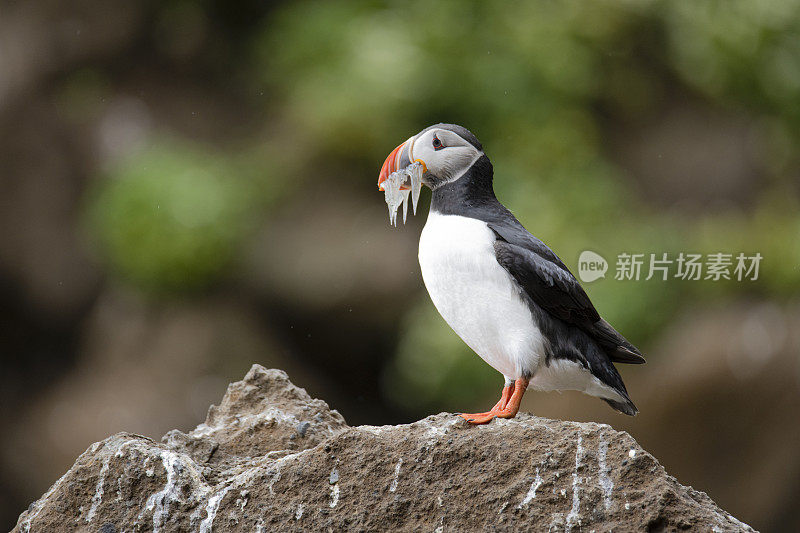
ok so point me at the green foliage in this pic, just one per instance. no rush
(744, 52)
(171, 217)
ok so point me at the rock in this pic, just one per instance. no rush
(261, 415)
(242, 470)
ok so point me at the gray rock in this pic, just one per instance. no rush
(302, 428)
(241, 471)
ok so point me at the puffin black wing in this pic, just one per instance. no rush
(550, 284)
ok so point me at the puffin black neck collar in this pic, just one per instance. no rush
(472, 191)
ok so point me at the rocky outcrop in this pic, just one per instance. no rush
(271, 458)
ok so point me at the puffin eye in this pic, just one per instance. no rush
(437, 144)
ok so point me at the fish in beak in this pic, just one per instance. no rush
(400, 175)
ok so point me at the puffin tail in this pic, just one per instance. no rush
(615, 345)
(625, 407)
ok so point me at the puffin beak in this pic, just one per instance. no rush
(397, 159)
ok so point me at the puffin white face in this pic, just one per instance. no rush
(444, 154)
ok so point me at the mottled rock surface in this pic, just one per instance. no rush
(271, 458)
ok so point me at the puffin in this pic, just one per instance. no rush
(504, 292)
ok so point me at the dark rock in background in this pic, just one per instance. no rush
(249, 468)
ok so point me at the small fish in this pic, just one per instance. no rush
(397, 188)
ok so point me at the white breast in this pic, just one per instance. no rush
(476, 296)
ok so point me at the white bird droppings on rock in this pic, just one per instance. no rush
(334, 496)
(98, 491)
(159, 502)
(395, 480)
(603, 477)
(537, 482)
(574, 515)
(241, 502)
(211, 510)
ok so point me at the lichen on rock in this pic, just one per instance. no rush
(271, 458)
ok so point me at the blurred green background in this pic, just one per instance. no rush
(188, 187)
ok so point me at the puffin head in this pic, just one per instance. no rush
(445, 151)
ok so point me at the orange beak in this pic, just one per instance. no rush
(390, 165)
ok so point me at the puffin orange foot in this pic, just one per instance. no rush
(483, 418)
(478, 418)
(507, 407)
